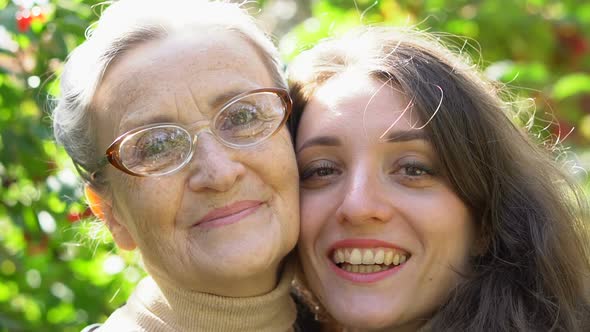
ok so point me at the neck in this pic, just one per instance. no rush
(244, 285)
(189, 310)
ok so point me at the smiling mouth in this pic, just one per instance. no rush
(368, 260)
(229, 214)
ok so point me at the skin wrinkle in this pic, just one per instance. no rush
(193, 98)
(139, 74)
(177, 107)
(158, 214)
(128, 83)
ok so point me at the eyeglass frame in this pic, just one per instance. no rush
(112, 153)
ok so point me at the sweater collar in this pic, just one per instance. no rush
(165, 308)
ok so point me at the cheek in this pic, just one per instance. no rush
(149, 203)
(448, 230)
(275, 168)
(275, 162)
(460, 226)
(315, 214)
(315, 217)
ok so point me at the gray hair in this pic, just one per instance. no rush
(122, 26)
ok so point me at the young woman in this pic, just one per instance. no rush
(171, 112)
(423, 206)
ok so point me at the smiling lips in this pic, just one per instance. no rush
(362, 260)
(229, 214)
(368, 260)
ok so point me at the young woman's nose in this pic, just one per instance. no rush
(214, 166)
(365, 200)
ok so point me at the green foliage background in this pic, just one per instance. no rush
(58, 273)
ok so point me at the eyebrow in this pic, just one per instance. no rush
(214, 104)
(405, 136)
(128, 125)
(320, 141)
(391, 137)
(221, 99)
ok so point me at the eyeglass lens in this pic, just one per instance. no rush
(162, 149)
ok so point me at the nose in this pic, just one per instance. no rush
(366, 200)
(214, 166)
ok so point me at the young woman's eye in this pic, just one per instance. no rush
(319, 171)
(416, 170)
(414, 173)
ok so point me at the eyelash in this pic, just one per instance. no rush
(414, 164)
(311, 171)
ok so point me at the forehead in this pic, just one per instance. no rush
(181, 74)
(352, 104)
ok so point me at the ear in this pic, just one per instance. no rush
(103, 210)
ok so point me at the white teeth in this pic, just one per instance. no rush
(340, 256)
(388, 258)
(379, 256)
(369, 256)
(363, 268)
(355, 257)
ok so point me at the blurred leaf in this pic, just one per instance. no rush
(571, 85)
(63, 313)
(583, 13)
(539, 48)
(463, 27)
(530, 74)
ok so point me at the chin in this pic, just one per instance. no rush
(366, 312)
(257, 264)
(250, 261)
(372, 321)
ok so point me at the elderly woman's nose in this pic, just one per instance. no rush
(365, 200)
(214, 166)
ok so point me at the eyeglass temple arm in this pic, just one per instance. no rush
(90, 176)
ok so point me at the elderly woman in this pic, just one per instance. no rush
(423, 207)
(174, 115)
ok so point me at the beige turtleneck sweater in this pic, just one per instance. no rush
(153, 308)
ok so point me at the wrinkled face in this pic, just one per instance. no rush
(382, 233)
(224, 222)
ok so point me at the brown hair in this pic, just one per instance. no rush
(532, 271)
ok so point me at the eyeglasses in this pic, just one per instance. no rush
(160, 149)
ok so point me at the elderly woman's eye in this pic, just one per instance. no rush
(153, 144)
(243, 116)
(155, 149)
(152, 148)
(239, 117)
